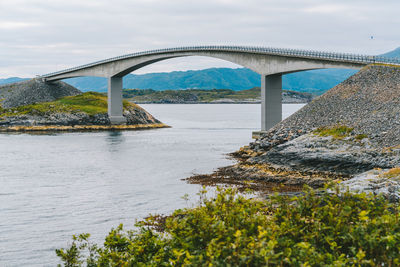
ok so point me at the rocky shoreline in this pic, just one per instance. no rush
(81, 128)
(343, 135)
(225, 101)
(61, 107)
(134, 116)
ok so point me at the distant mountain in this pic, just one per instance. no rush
(214, 78)
(395, 53)
(314, 81)
(12, 80)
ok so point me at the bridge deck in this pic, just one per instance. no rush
(341, 57)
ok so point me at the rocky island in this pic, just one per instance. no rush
(350, 132)
(38, 106)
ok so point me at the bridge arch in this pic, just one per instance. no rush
(254, 59)
(270, 67)
(271, 63)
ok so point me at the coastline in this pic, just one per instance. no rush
(341, 136)
(214, 102)
(82, 128)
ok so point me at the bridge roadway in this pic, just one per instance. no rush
(271, 63)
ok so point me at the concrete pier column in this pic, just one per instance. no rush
(115, 100)
(271, 100)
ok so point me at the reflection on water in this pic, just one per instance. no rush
(56, 185)
(115, 139)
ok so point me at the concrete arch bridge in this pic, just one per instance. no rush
(271, 63)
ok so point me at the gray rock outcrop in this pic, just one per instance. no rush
(134, 115)
(314, 153)
(374, 182)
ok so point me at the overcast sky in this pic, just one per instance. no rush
(41, 36)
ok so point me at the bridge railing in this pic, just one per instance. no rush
(346, 57)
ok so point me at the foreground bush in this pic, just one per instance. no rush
(325, 230)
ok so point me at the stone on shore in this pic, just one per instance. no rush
(376, 181)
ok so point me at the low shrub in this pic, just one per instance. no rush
(340, 229)
(360, 137)
(337, 132)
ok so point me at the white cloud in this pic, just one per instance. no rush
(49, 34)
(325, 9)
(12, 25)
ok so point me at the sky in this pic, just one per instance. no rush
(42, 36)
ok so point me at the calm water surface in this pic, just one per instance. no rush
(56, 185)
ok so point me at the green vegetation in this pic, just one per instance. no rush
(338, 132)
(330, 229)
(193, 95)
(392, 173)
(385, 65)
(360, 137)
(90, 103)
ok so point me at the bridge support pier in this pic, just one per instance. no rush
(271, 100)
(115, 107)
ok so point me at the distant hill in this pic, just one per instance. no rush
(141, 96)
(214, 78)
(315, 81)
(395, 53)
(12, 80)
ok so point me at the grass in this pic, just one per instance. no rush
(91, 103)
(337, 132)
(360, 137)
(386, 65)
(392, 173)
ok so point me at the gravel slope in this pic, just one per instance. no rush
(293, 154)
(34, 91)
(369, 101)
